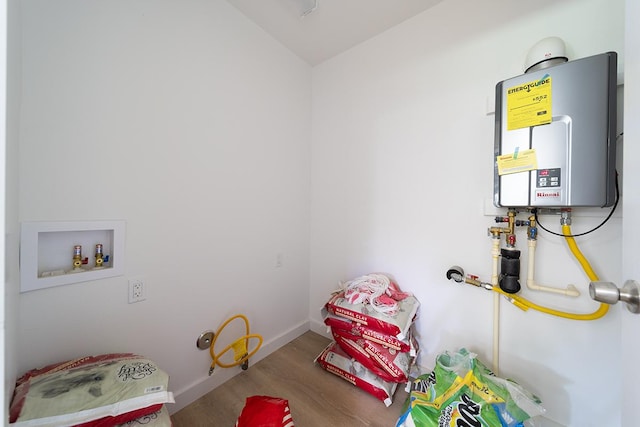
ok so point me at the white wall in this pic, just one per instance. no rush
(6, 389)
(11, 223)
(401, 171)
(631, 268)
(192, 125)
(188, 122)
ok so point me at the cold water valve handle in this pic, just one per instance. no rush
(608, 293)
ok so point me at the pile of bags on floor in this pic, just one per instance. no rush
(94, 391)
(374, 347)
(461, 391)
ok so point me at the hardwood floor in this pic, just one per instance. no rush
(316, 397)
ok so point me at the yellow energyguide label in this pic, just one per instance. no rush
(529, 104)
(518, 161)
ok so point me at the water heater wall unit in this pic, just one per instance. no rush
(555, 136)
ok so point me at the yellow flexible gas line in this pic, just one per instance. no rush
(239, 346)
(525, 304)
(566, 230)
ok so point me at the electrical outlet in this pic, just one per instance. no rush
(136, 290)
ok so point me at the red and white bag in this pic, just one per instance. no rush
(265, 411)
(406, 345)
(92, 391)
(397, 325)
(160, 418)
(356, 352)
(333, 359)
(375, 357)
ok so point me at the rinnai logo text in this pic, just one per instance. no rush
(541, 194)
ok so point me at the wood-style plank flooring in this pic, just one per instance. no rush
(316, 397)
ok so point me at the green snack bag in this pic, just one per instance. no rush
(463, 392)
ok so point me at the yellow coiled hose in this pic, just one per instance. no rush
(239, 346)
(525, 304)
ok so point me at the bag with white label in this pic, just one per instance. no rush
(334, 359)
(408, 345)
(396, 325)
(387, 363)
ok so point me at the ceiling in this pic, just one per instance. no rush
(333, 27)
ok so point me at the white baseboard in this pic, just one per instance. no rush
(202, 386)
(320, 328)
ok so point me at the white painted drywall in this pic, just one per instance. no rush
(402, 169)
(7, 388)
(188, 122)
(193, 126)
(11, 235)
(630, 267)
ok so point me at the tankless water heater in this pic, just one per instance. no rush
(555, 136)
